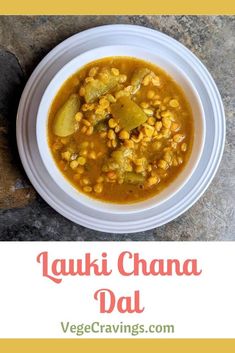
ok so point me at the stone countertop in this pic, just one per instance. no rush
(25, 40)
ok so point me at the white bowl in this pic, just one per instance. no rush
(72, 67)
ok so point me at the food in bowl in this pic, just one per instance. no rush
(120, 130)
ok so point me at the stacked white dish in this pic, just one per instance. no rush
(121, 40)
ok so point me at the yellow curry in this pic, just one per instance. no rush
(120, 130)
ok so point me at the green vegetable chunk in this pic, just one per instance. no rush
(128, 113)
(138, 76)
(64, 123)
(133, 178)
(105, 82)
(102, 125)
(122, 157)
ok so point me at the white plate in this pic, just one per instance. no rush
(144, 38)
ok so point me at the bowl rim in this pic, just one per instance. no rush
(90, 201)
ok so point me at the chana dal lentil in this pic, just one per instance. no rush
(120, 130)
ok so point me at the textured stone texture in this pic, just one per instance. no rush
(24, 41)
(14, 188)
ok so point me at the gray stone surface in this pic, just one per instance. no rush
(15, 191)
(24, 41)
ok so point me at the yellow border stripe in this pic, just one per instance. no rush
(118, 345)
(102, 7)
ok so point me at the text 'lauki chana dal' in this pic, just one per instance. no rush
(120, 130)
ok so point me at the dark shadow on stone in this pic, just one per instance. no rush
(12, 82)
(15, 190)
(11, 86)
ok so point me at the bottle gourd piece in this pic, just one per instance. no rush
(133, 178)
(138, 76)
(128, 113)
(99, 87)
(64, 122)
